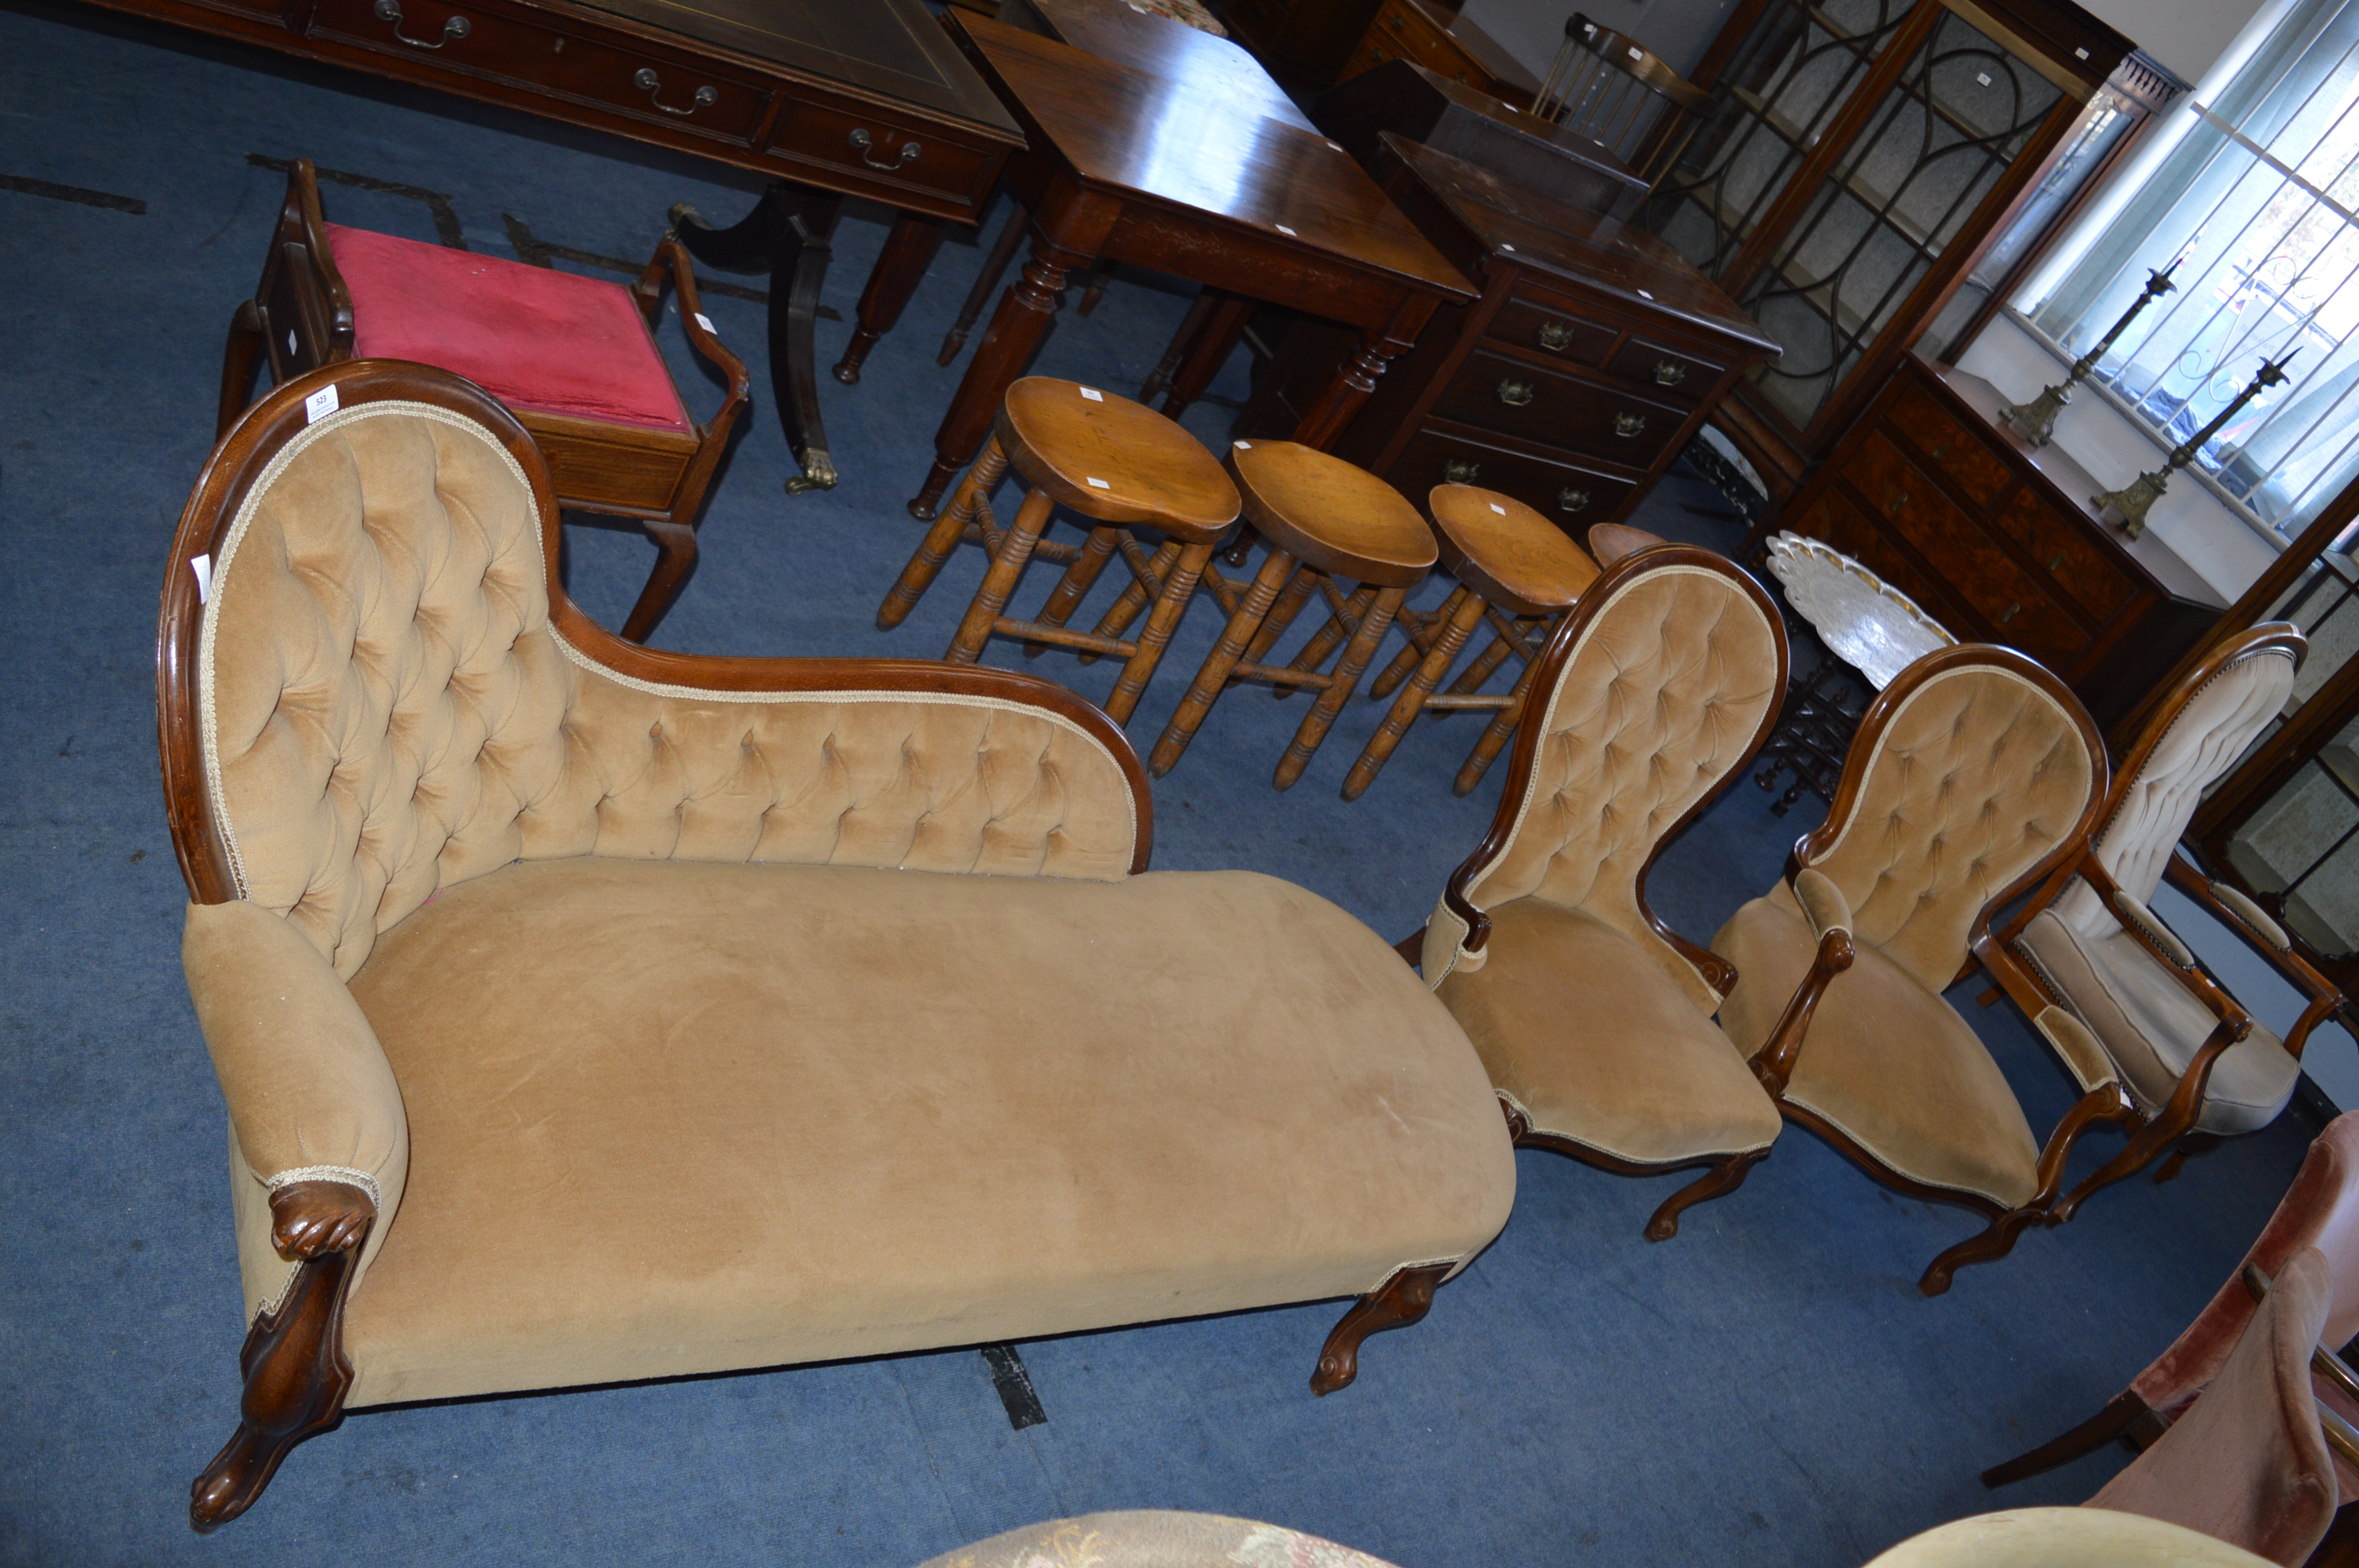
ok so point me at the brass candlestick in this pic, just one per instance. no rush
(2036, 421)
(2146, 488)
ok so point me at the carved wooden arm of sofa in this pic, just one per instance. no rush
(1828, 912)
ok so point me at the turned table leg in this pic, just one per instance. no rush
(1024, 314)
(900, 267)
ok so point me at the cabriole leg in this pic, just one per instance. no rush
(1400, 1301)
(1724, 1177)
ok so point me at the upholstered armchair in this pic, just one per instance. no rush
(1154, 1538)
(2198, 1067)
(588, 1013)
(1592, 1016)
(1972, 774)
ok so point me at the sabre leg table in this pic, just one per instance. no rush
(1175, 168)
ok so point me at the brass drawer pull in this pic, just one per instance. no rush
(863, 141)
(2057, 562)
(2012, 610)
(1628, 425)
(647, 81)
(1571, 500)
(1378, 56)
(1669, 372)
(1554, 335)
(1514, 394)
(452, 28)
(1893, 508)
(1395, 23)
(1455, 471)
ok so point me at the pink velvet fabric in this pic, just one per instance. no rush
(2247, 1463)
(2321, 1210)
(536, 339)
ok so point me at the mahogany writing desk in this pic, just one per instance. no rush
(831, 98)
(1177, 169)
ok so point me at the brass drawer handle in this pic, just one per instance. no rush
(1893, 507)
(647, 81)
(1669, 372)
(1454, 472)
(1554, 335)
(1571, 500)
(2057, 562)
(452, 27)
(1943, 449)
(1378, 56)
(2012, 610)
(1627, 424)
(1514, 394)
(1395, 23)
(863, 141)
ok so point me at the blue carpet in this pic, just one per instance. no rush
(1768, 1387)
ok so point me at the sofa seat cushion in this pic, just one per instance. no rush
(1888, 1063)
(1582, 1030)
(2151, 1026)
(541, 341)
(672, 1117)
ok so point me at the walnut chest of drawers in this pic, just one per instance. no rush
(1997, 541)
(1585, 367)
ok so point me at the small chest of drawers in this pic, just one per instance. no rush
(1997, 541)
(1584, 370)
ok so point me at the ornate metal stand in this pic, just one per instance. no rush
(2036, 421)
(2132, 500)
(1814, 732)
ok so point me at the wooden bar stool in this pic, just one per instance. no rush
(1119, 464)
(1514, 567)
(1321, 519)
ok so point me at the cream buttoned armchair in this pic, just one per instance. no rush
(1973, 776)
(588, 1014)
(2198, 1067)
(1592, 1015)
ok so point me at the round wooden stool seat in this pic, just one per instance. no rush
(1509, 554)
(1115, 461)
(1609, 542)
(1331, 517)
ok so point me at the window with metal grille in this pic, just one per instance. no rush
(2258, 205)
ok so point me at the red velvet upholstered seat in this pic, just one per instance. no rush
(537, 340)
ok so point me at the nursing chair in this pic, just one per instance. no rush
(2197, 1067)
(1592, 1016)
(1973, 776)
(588, 1013)
(2320, 1212)
(572, 357)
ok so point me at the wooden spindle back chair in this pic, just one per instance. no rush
(1624, 95)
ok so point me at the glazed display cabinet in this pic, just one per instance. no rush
(1866, 158)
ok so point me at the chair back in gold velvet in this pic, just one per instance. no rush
(1654, 693)
(1972, 775)
(371, 685)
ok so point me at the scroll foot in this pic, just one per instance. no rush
(1402, 1300)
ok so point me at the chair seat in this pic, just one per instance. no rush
(1888, 1063)
(539, 340)
(1584, 1029)
(672, 1117)
(2151, 1026)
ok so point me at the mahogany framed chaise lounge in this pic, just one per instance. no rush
(588, 1014)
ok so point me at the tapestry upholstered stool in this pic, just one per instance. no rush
(1515, 569)
(1321, 519)
(587, 1013)
(571, 357)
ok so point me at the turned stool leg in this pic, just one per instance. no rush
(1466, 613)
(1494, 739)
(942, 539)
(1297, 593)
(999, 582)
(1178, 586)
(1075, 585)
(1221, 661)
(1485, 665)
(1331, 636)
(1356, 654)
(1420, 643)
(1124, 610)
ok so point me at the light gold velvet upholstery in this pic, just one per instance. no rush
(1977, 776)
(2064, 1538)
(1154, 1538)
(2149, 1023)
(1598, 1028)
(678, 1030)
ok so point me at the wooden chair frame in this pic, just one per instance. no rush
(2170, 1129)
(1680, 106)
(1774, 1063)
(293, 1367)
(301, 317)
(1722, 1174)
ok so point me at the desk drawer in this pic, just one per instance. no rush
(478, 40)
(1494, 393)
(1568, 494)
(878, 147)
(2016, 606)
(1977, 470)
(1665, 372)
(2079, 567)
(1531, 324)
